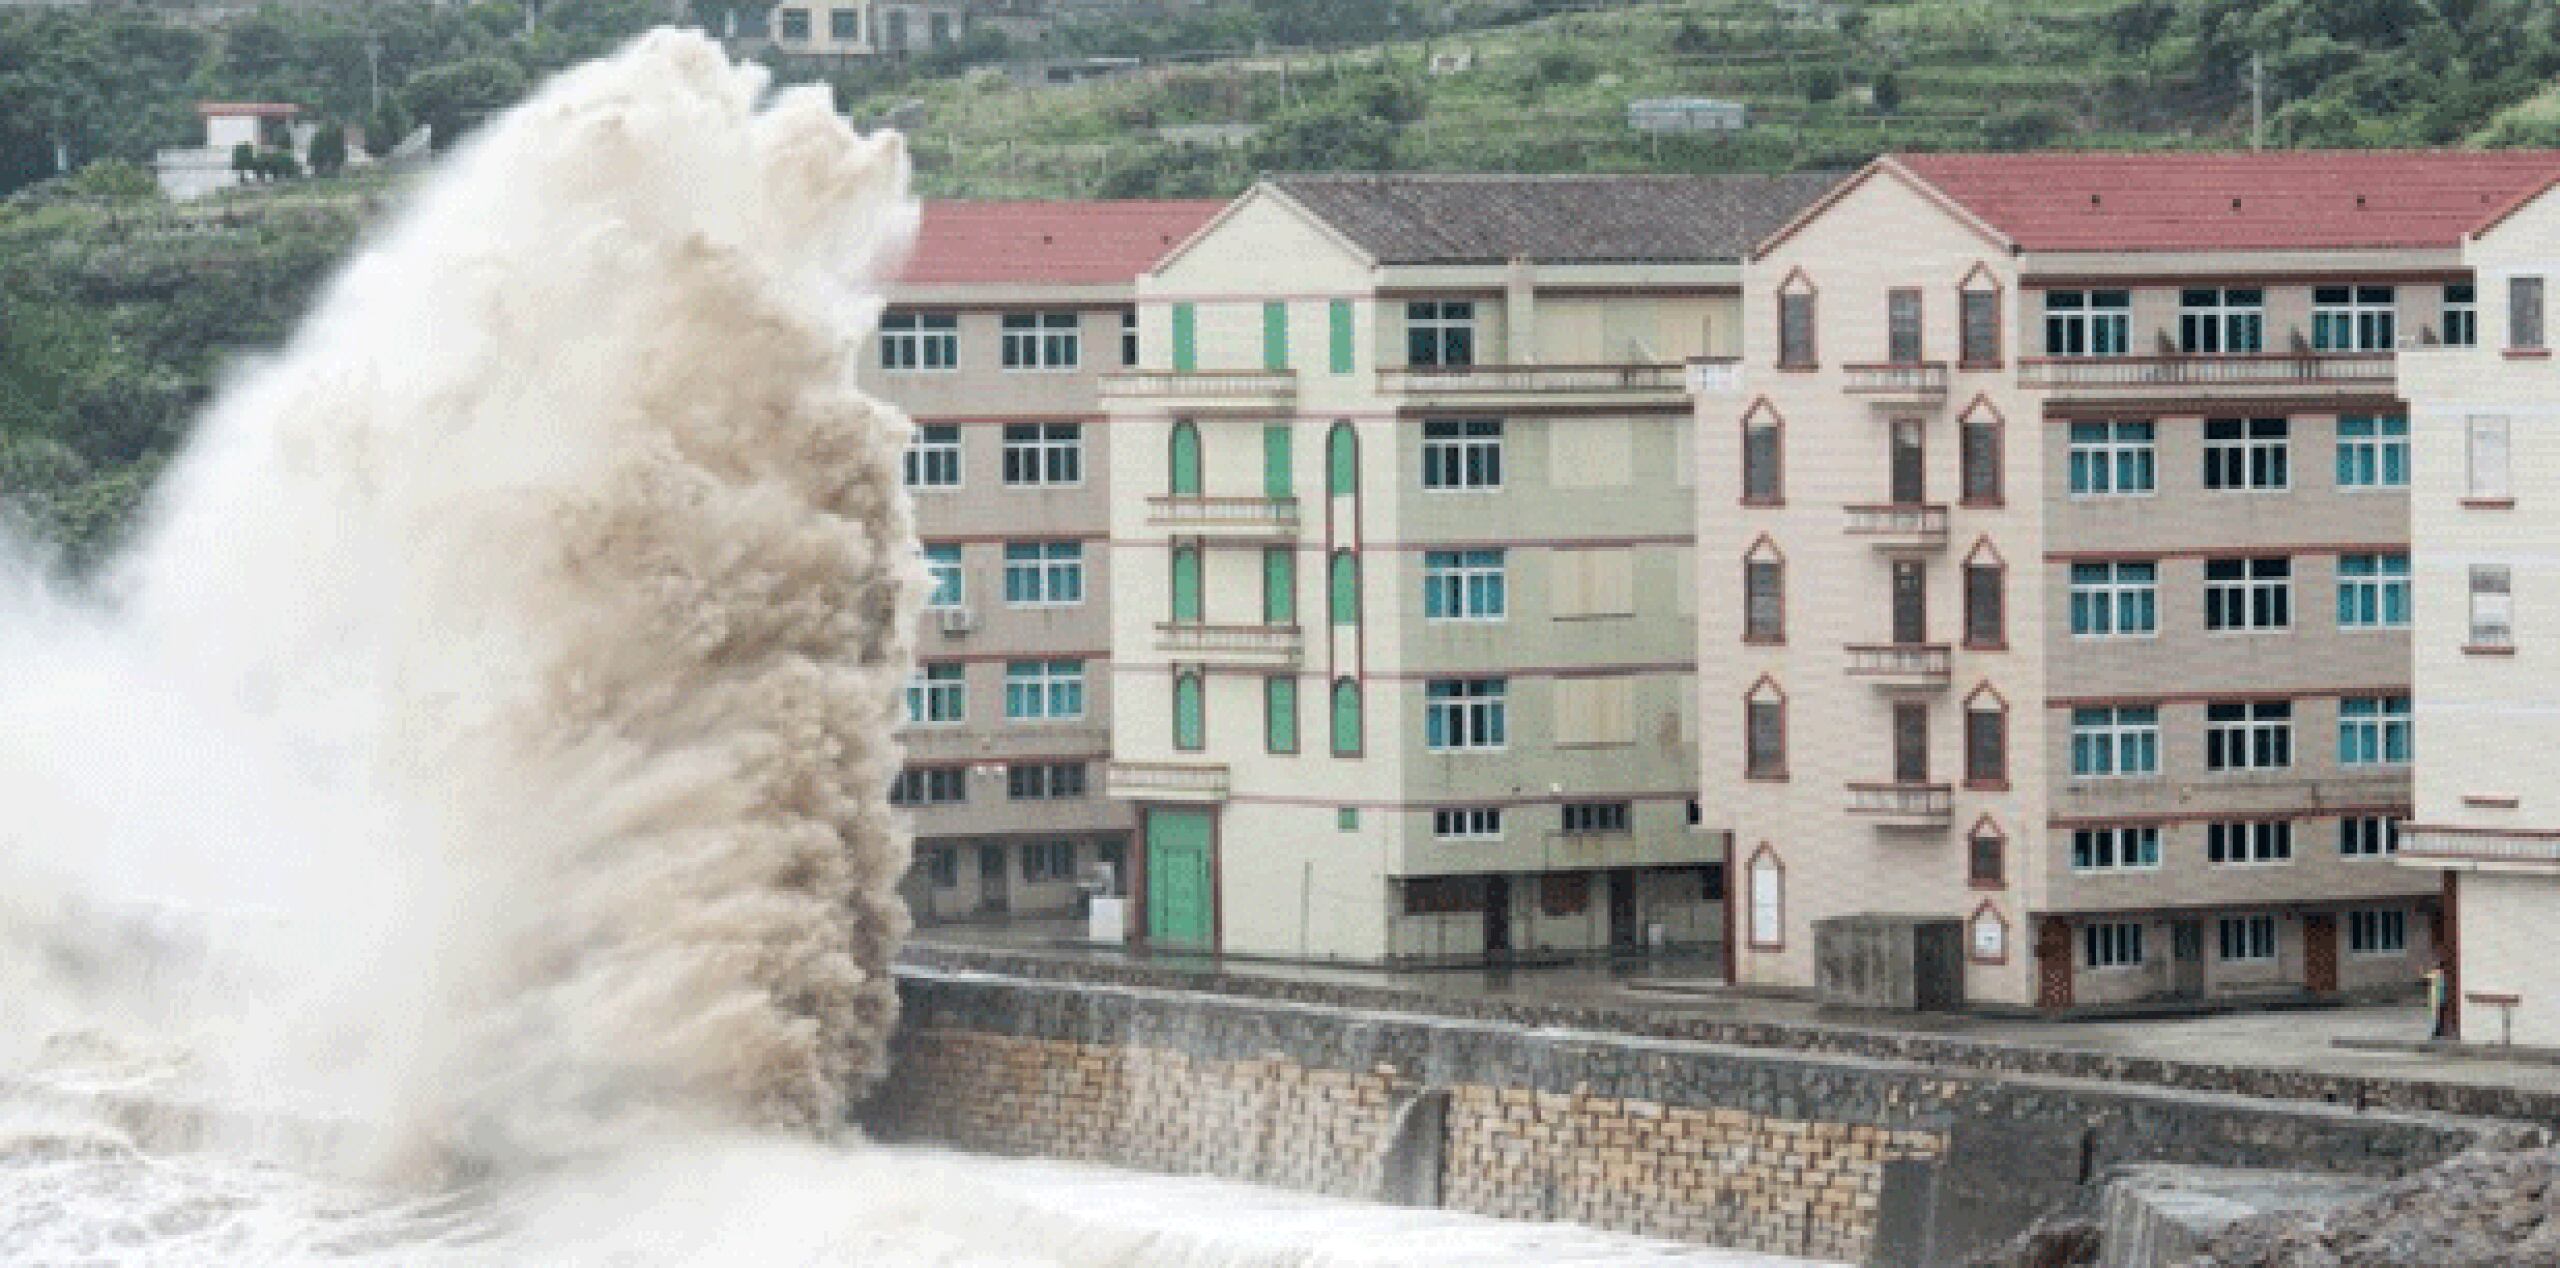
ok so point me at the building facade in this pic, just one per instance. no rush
(2484, 490)
(862, 28)
(998, 336)
(1400, 589)
(2054, 545)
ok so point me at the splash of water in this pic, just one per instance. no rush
(486, 737)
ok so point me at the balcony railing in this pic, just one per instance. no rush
(1243, 389)
(2423, 842)
(1168, 781)
(1900, 526)
(1913, 805)
(1258, 642)
(2269, 369)
(1898, 380)
(1534, 380)
(1902, 665)
(1256, 516)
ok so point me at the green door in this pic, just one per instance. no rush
(1186, 338)
(1186, 585)
(1178, 903)
(1275, 460)
(1184, 481)
(1279, 585)
(1275, 336)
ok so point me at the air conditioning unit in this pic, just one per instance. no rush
(957, 622)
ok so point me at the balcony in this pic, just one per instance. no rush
(1898, 382)
(2125, 378)
(1203, 391)
(2495, 848)
(1902, 666)
(1231, 644)
(1715, 376)
(1903, 805)
(1901, 527)
(1168, 781)
(1500, 386)
(1252, 518)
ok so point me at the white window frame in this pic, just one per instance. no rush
(2489, 458)
(2358, 318)
(2261, 728)
(1128, 337)
(933, 457)
(2216, 321)
(1768, 894)
(1462, 455)
(1467, 823)
(2123, 847)
(2248, 843)
(1043, 455)
(2462, 314)
(2106, 455)
(2248, 455)
(1046, 340)
(1465, 585)
(2111, 945)
(2368, 581)
(2088, 323)
(1597, 818)
(1466, 715)
(1042, 862)
(950, 590)
(2493, 606)
(1043, 574)
(1054, 688)
(2368, 836)
(1449, 326)
(920, 343)
(2369, 725)
(2258, 599)
(2378, 931)
(1047, 781)
(2376, 445)
(938, 695)
(930, 786)
(2247, 939)
(2116, 735)
(2112, 596)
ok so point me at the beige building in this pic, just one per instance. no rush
(996, 342)
(1401, 602)
(2054, 546)
(861, 28)
(2485, 510)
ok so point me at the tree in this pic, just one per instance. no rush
(1331, 135)
(244, 160)
(1887, 88)
(1822, 83)
(452, 99)
(2023, 127)
(388, 127)
(329, 150)
(115, 178)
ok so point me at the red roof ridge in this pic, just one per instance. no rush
(966, 242)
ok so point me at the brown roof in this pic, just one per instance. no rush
(965, 243)
(2264, 201)
(1429, 218)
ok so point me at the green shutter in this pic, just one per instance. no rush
(1181, 901)
(1280, 585)
(1275, 460)
(1347, 818)
(1186, 339)
(1280, 714)
(1186, 583)
(1346, 718)
(1275, 336)
(1190, 727)
(1340, 323)
(1185, 459)
(1342, 461)
(1345, 589)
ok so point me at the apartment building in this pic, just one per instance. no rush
(862, 28)
(996, 340)
(2054, 539)
(2485, 526)
(1401, 602)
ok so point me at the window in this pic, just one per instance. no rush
(844, 25)
(2216, 320)
(1128, 336)
(1184, 565)
(1342, 589)
(2248, 735)
(937, 694)
(2524, 313)
(1347, 819)
(1764, 601)
(1984, 586)
(1279, 585)
(1343, 345)
(1043, 690)
(795, 24)
(945, 866)
(1044, 781)
(1186, 341)
(2373, 731)
(2114, 600)
(2088, 323)
(1902, 326)
(2248, 938)
(1987, 865)
(1986, 745)
(1342, 461)
(1760, 460)
(1279, 462)
(1043, 453)
(2246, 843)
(1042, 341)
(2488, 453)
(2352, 319)
(1182, 460)
(1275, 335)
(933, 458)
(2113, 944)
(1795, 329)
(1442, 895)
(942, 563)
(1043, 574)
(1978, 331)
(1440, 332)
(930, 786)
(2378, 931)
(2113, 742)
(1470, 823)
(1463, 713)
(1768, 900)
(2493, 609)
(2373, 453)
(2368, 836)
(920, 341)
(2248, 453)
(1462, 453)
(2117, 459)
(1190, 713)
(2373, 592)
(1764, 734)
(1978, 443)
(1280, 714)
(2248, 594)
(1048, 862)
(1346, 717)
(1463, 585)
(1593, 818)
(2461, 314)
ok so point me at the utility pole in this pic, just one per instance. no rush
(2257, 102)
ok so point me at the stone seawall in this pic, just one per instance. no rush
(1826, 1155)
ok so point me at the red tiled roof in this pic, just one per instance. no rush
(965, 243)
(262, 109)
(2274, 200)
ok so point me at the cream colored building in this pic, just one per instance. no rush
(1401, 602)
(996, 341)
(2054, 553)
(2485, 510)
(862, 28)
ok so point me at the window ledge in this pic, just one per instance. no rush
(1981, 504)
(2488, 649)
(2001, 646)
(1767, 502)
(1776, 777)
(2488, 504)
(1972, 366)
(2528, 354)
(1986, 785)
(1799, 367)
(1987, 886)
(1749, 641)
(2492, 801)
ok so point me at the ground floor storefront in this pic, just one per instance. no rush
(992, 877)
(2366, 947)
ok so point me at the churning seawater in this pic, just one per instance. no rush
(455, 831)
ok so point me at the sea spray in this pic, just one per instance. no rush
(504, 679)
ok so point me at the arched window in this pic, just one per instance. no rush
(1989, 935)
(1763, 456)
(1764, 731)
(1344, 590)
(1768, 895)
(1987, 855)
(1190, 713)
(1986, 739)
(1346, 717)
(1186, 584)
(1764, 593)
(1986, 584)
(1185, 458)
(1342, 461)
